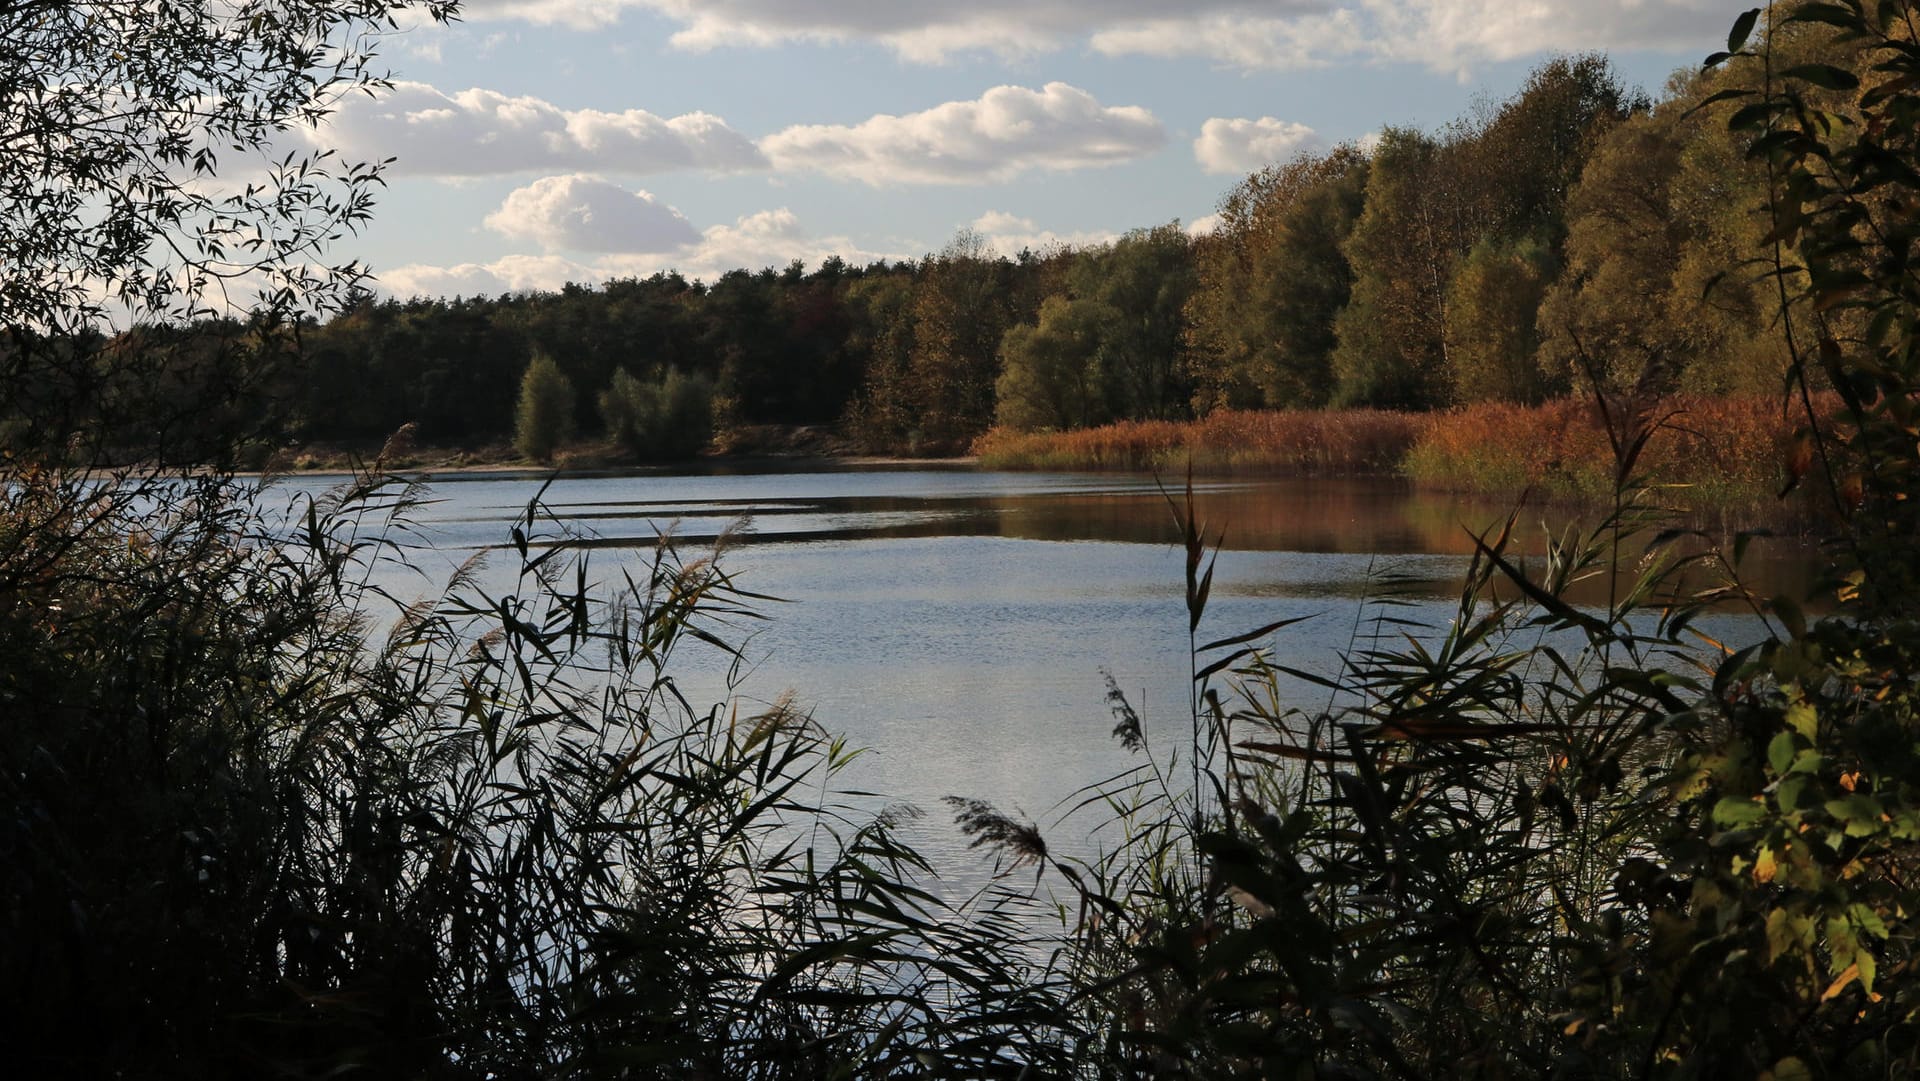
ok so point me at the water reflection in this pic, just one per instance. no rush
(1375, 516)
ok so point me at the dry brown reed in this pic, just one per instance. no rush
(1703, 451)
(1228, 441)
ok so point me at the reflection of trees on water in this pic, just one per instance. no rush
(1332, 516)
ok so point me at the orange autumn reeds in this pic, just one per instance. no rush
(1705, 451)
(1296, 441)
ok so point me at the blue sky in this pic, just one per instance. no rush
(542, 141)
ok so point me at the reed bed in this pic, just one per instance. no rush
(1701, 451)
(1229, 441)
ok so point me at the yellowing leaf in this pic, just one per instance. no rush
(1840, 983)
(1804, 720)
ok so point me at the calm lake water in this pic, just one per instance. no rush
(957, 623)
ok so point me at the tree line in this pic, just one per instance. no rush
(1576, 233)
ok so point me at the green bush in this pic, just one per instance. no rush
(666, 420)
(544, 418)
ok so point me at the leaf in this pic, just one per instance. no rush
(1804, 720)
(1830, 14)
(1859, 811)
(1754, 116)
(1737, 812)
(1866, 919)
(1288, 750)
(1714, 99)
(1784, 933)
(1788, 611)
(1197, 599)
(1840, 982)
(1825, 76)
(1261, 632)
(1780, 752)
(1790, 791)
(1202, 675)
(1742, 27)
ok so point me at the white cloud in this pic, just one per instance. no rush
(769, 238)
(1008, 131)
(512, 274)
(1008, 235)
(586, 213)
(921, 30)
(576, 14)
(485, 133)
(1444, 34)
(1237, 39)
(1206, 226)
(1242, 146)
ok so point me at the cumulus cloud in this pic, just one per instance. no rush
(1008, 131)
(769, 238)
(1206, 226)
(586, 213)
(1444, 34)
(1241, 146)
(512, 274)
(576, 14)
(485, 133)
(922, 30)
(1008, 235)
(1440, 34)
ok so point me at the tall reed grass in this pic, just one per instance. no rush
(1703, 452)
(263, 820)
(1700, 451)
(1227, 441)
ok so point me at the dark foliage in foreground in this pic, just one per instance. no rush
(263, 819)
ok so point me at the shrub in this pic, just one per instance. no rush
(670, 419)
(544, 418)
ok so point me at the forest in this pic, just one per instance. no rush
(1574, 234)
(262, 817)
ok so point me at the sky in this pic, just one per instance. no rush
(538, 142)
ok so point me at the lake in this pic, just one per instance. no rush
(958, 623)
